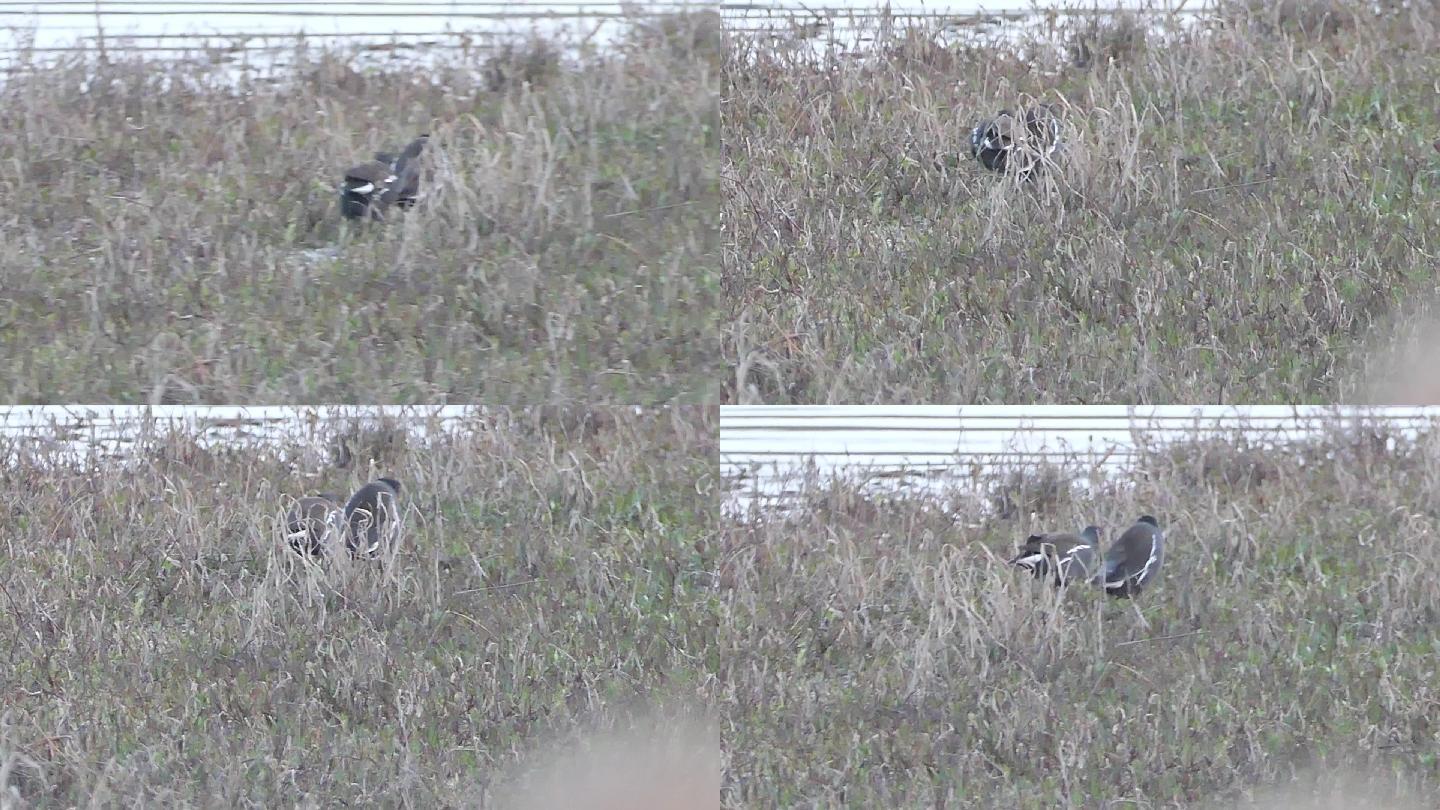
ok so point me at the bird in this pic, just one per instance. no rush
(370, 188)
(309, 522)
(369, 514)
(1019, 143)
(1134, 560)
(1065, 557)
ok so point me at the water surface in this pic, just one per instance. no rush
(769, 454)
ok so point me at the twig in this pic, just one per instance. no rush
(649, 210)
(472, 620)
(498, 587)
(1234, 185)
(1159, 638)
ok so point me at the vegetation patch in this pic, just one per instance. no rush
(174, 236)
(889, 656)
(164, 645)
(1241, 207)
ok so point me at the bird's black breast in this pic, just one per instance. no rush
(354, 206)
(987, 147)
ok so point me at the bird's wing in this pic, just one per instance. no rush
(413, 150)
(372, 172)
(1028, 559)
(407, 170)
(1153, 557)
(1115, 573)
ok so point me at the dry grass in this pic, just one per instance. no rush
(552, 588)
(171, 235)
(879, 652)
(1240, 212)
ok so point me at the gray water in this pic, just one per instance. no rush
(267, 30)
(104, 433)
(769, 455)
(392, 26)
(851, 26)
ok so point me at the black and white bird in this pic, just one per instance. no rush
(1135, 559)
(1018, 143)
(1062, 557)
(372, 187)
(370, 514)
(310, 522)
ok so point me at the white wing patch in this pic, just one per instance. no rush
(1140, 576)
(1069, 559)
(1154, 554)
(365, 189)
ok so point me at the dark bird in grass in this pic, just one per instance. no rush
(369, 514)
(1018, 143)
(371, 188)
(1061, 557)
(1134, 560)
(310, 520)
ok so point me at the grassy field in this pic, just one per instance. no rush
(171, 235)
(550, 600)
(880, 653)
(1248, 213)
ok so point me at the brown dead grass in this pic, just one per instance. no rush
(878, 652)
(163, 647)
(173, 236)
(1240, 207)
